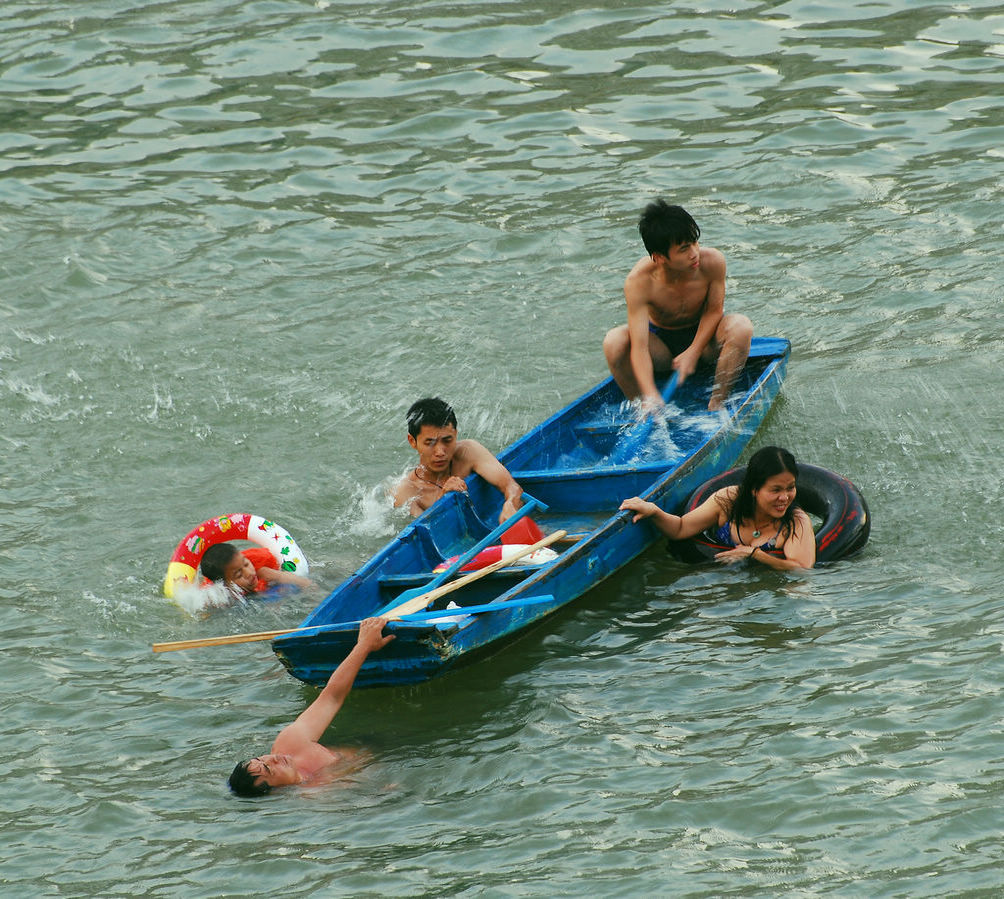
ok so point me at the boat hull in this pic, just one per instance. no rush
(562, 463)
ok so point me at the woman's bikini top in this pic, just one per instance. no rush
(724, 536)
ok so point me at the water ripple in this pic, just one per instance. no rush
(240, 239)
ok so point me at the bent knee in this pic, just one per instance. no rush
(736, 328)
(617, 342)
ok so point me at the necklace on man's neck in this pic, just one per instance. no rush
(438, 483)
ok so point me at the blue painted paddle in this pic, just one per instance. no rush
(636, 436)
(461, 561)
(478, 610)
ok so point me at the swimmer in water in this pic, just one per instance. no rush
(296, 757)
(251, 570)
(444, 461)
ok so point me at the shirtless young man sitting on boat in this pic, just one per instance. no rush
(675, 312)
(296, 757)
(444, 461)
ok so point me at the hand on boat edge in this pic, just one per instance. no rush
(642, 508)
(371, 636)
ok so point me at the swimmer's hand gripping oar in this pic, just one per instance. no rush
(397, 612)
(636, 436)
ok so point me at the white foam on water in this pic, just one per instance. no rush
(376, 515)
(199, 601)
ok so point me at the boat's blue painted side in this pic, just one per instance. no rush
(562, 463)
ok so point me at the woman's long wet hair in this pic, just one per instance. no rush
(765, 463)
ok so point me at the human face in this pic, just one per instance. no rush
(274, 770)
(435, 447)
(684, 257)
(775, 495)
(240, 571)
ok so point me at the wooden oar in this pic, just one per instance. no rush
(228, 639)
(417, 603)
(484, 542)
(632, 441)
(270, 635)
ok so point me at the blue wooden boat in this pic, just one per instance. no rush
(575, 463)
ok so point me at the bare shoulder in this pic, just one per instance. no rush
(407, 489)
(727, 494)
(640, 276)
(311, 759)
(802, 517)
(468, 454)
(712, 262)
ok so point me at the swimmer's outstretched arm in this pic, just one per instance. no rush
(317, 717)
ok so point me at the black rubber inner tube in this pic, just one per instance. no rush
(824, 494)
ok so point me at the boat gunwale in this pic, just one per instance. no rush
(526, 616)
(620, 519)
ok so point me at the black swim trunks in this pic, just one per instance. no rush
(676, 339)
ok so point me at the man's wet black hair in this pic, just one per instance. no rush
(242, 782)
(663, 226)
(430, 411)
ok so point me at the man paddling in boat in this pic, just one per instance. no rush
(444, 461)
(296, 757)
(675, 312)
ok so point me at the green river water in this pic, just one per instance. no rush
(239, 239)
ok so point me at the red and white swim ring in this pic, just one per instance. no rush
(184, 563)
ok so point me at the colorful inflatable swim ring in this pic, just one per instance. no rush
(184, 563)
(493, 554)
(846, 522)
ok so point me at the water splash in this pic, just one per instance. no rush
(199, 601)
(375, 513)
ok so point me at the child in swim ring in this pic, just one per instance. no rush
(252, 570)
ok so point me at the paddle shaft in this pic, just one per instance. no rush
(223, 641)
(485, 541)
(269, 635)
(416, 616)
(441, 614)
(420, 602)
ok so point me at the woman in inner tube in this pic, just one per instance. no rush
(754, 518)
